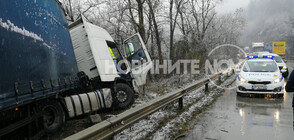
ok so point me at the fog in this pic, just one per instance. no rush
(267, 21)
(230, 6)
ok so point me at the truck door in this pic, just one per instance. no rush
(139, 59)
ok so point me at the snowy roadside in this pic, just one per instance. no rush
(164, 86)
(166, 122)
(178, 124)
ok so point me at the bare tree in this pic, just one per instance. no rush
(184, 28)
(152, 7)
(203, 13)
(74, 8)
(139, 26)
(172, 22)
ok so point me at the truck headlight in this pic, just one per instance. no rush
(278, 80)
(285, 67)
(241, 79)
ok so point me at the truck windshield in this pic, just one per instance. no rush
(258, 49)
(260, 66)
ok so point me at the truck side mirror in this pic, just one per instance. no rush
(285, 61)
(131, 47)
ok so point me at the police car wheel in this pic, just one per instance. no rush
(285, 75)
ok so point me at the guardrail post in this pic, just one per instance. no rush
(181, 103)
(206, 87)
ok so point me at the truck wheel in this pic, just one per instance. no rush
(124, 96)
(53, 116)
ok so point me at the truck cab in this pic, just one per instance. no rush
(101, 62)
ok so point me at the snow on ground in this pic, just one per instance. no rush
(151, 128)
(144, 127)
(174, 82)
(167, 85)
(173, 125)
(164, 132)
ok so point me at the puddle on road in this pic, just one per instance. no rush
(233, 117)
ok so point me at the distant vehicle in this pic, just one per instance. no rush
(279, 48)
(280, 62)
(247, 49)
(260, 76)
(269, 47)
(258, 47)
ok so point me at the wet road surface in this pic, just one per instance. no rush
(242, 118)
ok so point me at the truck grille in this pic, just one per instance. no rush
(262, 82)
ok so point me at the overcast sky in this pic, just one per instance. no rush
(231, 5)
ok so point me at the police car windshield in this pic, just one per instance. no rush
(260, 66)
(278, 59)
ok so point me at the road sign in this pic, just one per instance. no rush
(279, 48)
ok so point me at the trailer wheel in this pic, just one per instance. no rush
(124, 96)
(53, 116)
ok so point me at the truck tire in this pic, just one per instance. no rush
(53, 116)
(124, 96)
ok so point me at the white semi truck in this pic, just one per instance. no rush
(99, 58)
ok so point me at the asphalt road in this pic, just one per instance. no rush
(243, 118)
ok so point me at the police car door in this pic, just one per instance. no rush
(139, 59)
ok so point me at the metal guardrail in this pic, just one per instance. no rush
(107, 128)
(290, 58)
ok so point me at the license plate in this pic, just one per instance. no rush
(259, 87)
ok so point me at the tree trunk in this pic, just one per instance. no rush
(141, 19)
(171, 40)
(157, 36)
(172, 25)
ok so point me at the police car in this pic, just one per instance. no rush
(280, 62)
(260, 76)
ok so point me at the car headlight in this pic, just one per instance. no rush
(241, 79)
(285, 67)
(278, 80)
